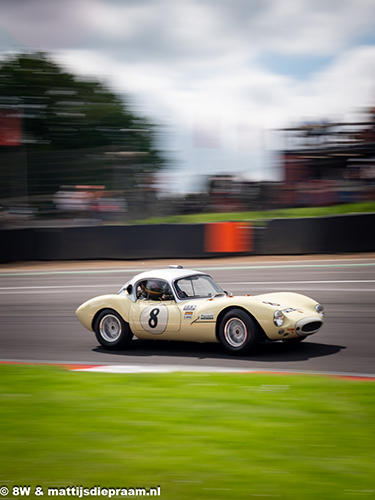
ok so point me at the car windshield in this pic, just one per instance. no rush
(194, 287)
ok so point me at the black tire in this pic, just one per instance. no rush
(111, 330)
(238, 332)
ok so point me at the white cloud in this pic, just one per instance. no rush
(120, 22)
(317, 27)
(339, 91)
(46, 25)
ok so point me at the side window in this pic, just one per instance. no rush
(157, 290)
(184, 288)
(197, 287)
(142, 290)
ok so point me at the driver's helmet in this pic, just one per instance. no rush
(154, 289)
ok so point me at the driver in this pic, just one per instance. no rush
(156, 290)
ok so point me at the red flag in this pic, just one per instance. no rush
(10, 127)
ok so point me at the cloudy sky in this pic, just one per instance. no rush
(219, 75)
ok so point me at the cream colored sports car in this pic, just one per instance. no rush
(187, 305)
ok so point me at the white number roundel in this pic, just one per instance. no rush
(154, 319)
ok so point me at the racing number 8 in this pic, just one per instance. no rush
(153, 321)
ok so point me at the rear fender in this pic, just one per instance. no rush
(87, 312)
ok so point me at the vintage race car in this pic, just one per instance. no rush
(187, 305)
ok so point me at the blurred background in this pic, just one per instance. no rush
(116, 112)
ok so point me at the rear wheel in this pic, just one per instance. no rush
(238, 332)
(111, 330)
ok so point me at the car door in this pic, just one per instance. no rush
(155, 313)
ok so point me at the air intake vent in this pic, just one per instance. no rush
(311, 327)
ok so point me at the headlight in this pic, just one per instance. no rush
(278, 318)
(319, 309)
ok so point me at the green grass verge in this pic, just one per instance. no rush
(261, 216)
(197, 436)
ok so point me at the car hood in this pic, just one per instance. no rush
(283, 300)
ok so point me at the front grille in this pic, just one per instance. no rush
(311, 327)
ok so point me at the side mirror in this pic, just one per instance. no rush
(129, 289)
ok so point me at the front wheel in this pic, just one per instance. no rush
(238, 332)
(111, 330)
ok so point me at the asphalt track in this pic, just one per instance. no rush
(38, 323)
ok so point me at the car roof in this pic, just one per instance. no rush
(169, 274)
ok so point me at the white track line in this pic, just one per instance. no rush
(152, 368)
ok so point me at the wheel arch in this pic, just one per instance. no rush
(230, 308)
(99, 311)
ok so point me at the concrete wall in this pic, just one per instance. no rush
(335, 234)
(338, 234)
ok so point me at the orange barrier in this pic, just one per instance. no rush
(228, 237)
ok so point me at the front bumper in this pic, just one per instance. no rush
(308, 326)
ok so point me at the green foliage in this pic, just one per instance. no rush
(261, 217)
(78, 119)
(60, 110)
